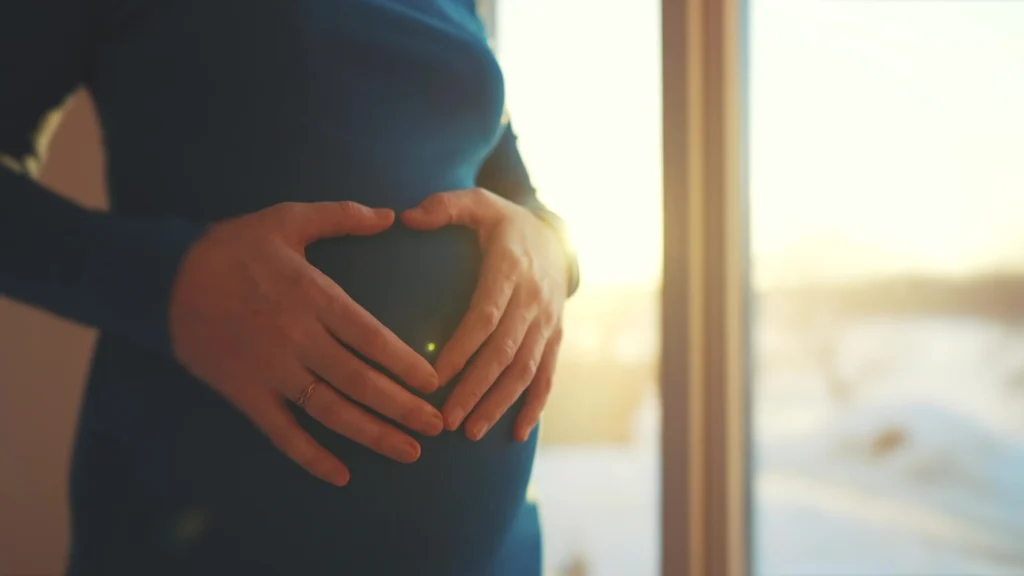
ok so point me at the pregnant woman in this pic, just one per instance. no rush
(329, 300)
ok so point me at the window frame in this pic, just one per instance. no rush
(705, 294)
(704, 373)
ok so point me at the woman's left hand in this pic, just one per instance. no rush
(512, 329)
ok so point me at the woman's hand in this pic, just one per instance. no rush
(513, 326)
(260, 325)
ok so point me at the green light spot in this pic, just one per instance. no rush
(189, 527)
(431, 346)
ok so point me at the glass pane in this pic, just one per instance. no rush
(887, 193)
(583, 89)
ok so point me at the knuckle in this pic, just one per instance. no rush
(305, 456)
(294, 333)
(293, 445)
(378, 342)
(472, 397)
(505, 352)
(548, 319)
(514, 263)
(334, 301)
(443, 202)
(296, 288)
(405, 412)
(384, 444)
(490, 316)
(379, 441)
(348, 209)
(533, 291)
(529, 368)
(308, 285)
(288, 212)
(469, 395)
(315, 463)
(484, 416)
(319, 298)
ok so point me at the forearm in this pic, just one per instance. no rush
(97, 268)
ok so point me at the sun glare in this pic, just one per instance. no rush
(593, 143)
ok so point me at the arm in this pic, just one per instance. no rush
(505, 174)
(110, 271)
(232, 328)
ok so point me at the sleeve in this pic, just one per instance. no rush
(505, 174)
(96, 268)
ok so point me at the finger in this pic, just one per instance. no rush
(510, 385)
(347, 373)
(539, 390)
(352, 324)
(307, 222)
(498, 274)
(473, 208)
(270, 415)
(493, 358)
(349, 420)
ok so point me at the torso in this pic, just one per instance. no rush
(214, 109)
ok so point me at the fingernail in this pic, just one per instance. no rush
(454, 419)
(408, 451)
(524, 433)
(442, 376)
(339, 477)
(430, 384)
(478, 430)
(434, 422)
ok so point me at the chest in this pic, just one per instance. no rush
(332, 66)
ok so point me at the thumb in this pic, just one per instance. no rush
(319, 220)
(470, 208)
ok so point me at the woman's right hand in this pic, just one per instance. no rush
(255, 321)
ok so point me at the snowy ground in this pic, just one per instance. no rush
(902, 453)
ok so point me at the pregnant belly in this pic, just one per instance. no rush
(418, 284)
(181, 449)
(449, 512)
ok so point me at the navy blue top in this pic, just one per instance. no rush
(211, 109)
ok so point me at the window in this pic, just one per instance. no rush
(583, 90)
(886, 188)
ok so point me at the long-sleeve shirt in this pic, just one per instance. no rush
(214, 108)
(113, 270)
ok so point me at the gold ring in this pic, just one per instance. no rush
(303, 398)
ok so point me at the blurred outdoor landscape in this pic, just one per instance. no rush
(888, 430)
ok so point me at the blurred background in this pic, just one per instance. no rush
(886, 193)
(886, 187)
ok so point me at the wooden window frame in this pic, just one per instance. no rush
(705, 292)
(704, 360)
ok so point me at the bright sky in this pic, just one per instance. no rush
(885, 135)
(583, 85)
